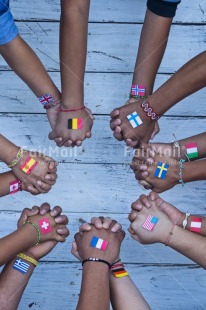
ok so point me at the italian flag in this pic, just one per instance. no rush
(192, 150)
(196, 224)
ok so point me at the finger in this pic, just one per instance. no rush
(74, 251)
(26, 213)
(90, 113)
(145, 184)
(132, 143)
(139, 175)
(77, 238)
(144, 200)
(156, 130)
(33, 190)
(131, 231)
(97, 222)
(45, 208)
(107, 222)
(68, 143)
(116, 227)
(88, 134)
(58, 140)
(52, 135)
(78, 143)
(62, 219)
(51, 177)
(115, 123)
(153, 196)
(43, 187)
(137, 205)
(56, 211)
(114, 113)
(118, 136)
(63, 231)
(85, 227)
(132, 215)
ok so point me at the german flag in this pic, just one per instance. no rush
(75, 123)
(28, 165)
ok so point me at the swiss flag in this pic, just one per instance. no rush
(14, 187)
(45, 226)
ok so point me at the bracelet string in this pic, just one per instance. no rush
(72, 110)
(16, 159)
(37, 229)
(96, 260)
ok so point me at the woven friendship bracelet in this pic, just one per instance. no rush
(15, 186)
(118, 269)
(48, 101)
(37, 229)
(96, 260)
(17, 158)
(72, 110)
(149, 111)
(28, 259)
(50, 105)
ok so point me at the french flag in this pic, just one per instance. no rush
(99, 243)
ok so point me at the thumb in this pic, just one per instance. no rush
(52, 135)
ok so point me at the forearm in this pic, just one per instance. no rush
(125, 295)
(73, 50)
(189, 244)
(95, 287)
(8, 150)
(5, 180)
(12, 285)
(25, 63)
(200, 140)
(194, 171)
(187, 80)
(153, 42)
(18, 241)
(195, 224)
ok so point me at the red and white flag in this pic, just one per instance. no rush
(196, 224)
(45, 226)
(14, 187)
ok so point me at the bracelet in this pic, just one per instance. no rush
(17, 158)
(118, 269)
(170, 234)
(28, 259)
(138, 97)
(52, 104)
(184, 223)
(177, 145)
(181, 161)
(37, 229)
(97, 260)
(72, 110)
(149, 111)
(20, 186)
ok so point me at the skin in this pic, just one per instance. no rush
(187, 80)
(73, 28)
(42, 177)
(11, 279)
(123, 292)
(95, 278)
(187, 243)
(26, 236)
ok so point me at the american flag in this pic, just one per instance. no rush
(150, 222)
(47, 98)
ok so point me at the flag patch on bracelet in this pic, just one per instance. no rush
(192, 150)
(28, 165)
(47, 98)
(134, 119)
(14, 187)
(137, 90)
(45, 226)
(161, 170)
(119, 271)
(21, 266)
(150, 222)
(75, 123)
(196, 224)
(99, 243)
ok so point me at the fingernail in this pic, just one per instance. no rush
(39, 183)
(58, 219)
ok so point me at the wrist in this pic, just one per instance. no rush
(11, 154)
(76, 103)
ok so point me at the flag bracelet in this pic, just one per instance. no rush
(37, 229)
(72, 110)
(118, 269)
(48, 101)
(28, 259)
(16, 159)
(149, 111)
(96, 260)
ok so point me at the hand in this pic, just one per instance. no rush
(44, 248)
(42, 177)
(158, 234)
(123, 129)
(144, 164)
(173, 213)
(72, 137)
(99, 223)
(112, 250)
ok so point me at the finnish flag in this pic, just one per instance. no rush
(134, 119)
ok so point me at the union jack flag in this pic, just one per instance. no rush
(138, 90)
(46, 98)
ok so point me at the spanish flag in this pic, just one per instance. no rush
(75, 123)
(28, 165)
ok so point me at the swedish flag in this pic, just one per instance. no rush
(161, 170)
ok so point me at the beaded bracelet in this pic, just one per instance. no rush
(138, 97)
(181, 161)
(72, 110)
(149, 111)
(28, 259)
(37, 229)
(97, 260)
(17, 158)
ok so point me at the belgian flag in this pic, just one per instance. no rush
(75, 123)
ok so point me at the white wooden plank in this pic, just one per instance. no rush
(149, 254)
(101, 148)
(112, 47)
(107, 11)
(103, 92)
(57, 286)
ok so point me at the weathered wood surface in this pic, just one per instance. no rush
(23, 129)
(56, 286)
(130, 11)
(112, 47)
(103, 93)
(150, 254)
